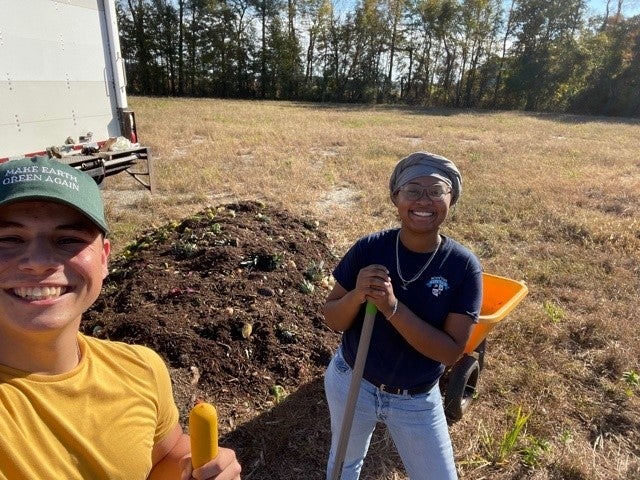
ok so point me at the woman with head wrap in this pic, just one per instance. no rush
(427, 289)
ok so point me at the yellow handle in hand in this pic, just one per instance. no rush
(203, 429)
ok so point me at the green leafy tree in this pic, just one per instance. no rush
(365, 75)
(395, 13)
(545, 52)
(167, 45)
(266, 13)
(317, 16)
(480, 21)
(433, 27)
(611, 80)
(137, 43)
(284, 67)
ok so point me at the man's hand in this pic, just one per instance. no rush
(224, 467)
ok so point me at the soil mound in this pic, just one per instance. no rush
(231, 297)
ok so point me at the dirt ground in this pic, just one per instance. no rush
(231, 298)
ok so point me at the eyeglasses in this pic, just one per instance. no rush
(434, 192)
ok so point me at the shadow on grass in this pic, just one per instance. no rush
(570, 118)
(291, 441)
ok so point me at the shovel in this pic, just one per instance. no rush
(354, 388)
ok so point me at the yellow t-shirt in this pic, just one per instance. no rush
(98, 421)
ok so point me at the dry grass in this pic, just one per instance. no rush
(552, 200)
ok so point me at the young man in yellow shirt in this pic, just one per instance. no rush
(73, 406)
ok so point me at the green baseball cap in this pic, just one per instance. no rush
(42, 178)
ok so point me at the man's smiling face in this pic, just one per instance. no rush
(52, 264)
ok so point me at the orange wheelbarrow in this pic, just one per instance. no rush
(500, 296)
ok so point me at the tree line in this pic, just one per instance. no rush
(533, 55)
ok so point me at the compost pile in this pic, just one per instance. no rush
(231, 298)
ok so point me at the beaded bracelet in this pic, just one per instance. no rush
(395, 309)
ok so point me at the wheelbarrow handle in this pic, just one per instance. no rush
(354, 388)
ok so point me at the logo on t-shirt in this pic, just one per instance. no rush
(437, 285)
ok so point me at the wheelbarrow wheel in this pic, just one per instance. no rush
(461, 387)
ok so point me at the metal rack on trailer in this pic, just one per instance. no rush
(136, 162)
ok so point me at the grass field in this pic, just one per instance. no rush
(553, 200)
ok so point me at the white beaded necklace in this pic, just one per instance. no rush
(417, 275)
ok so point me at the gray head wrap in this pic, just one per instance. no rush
(424, 164)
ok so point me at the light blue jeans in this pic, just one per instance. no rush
(416, 423)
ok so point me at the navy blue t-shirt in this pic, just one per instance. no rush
(451, 284)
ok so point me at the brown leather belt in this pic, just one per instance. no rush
(404, 391)
(393, 390)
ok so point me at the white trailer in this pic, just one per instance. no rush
(63, 88)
